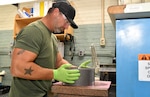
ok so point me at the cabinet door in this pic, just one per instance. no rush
(132, 39)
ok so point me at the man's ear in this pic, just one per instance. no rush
(56, 12)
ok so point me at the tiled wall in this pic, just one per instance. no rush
(5, 48)
(87, 35)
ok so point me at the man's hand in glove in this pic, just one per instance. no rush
(64, 74)
(84, 64)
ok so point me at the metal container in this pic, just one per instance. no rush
(87, 77)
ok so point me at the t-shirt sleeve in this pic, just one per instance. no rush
(30, 39)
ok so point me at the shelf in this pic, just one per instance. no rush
(61, 37)
(20, 23)
(118, 12)
(28, 20)
(107, 69)
(113, 11)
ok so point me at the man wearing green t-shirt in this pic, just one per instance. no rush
(36, 59)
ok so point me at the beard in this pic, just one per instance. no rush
(58, 30)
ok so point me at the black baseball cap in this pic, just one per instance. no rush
(67, 10)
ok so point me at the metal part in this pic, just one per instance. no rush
(81, 52)
(86, 78)
(95, 61)
(102, 39)
(72, 44)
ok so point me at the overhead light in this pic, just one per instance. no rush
(7, 2)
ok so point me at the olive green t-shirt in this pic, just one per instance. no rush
(38, 39)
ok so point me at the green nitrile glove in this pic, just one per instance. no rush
(84, 64)
(66, 75)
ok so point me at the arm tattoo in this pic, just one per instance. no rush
(20, 52)
(28, 71)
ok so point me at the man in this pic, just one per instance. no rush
(36, 59)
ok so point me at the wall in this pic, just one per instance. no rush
(5, 40)
(89, 32)
(132, 1)
(89, 20)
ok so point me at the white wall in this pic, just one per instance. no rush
(7, 16)
(132, 1)
(88, 12)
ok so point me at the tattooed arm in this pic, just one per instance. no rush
(22, 66)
